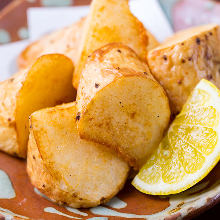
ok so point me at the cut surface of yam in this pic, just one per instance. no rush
(184, 59)
(78, 172)
(47, 83)
(64, 41)
(120, 104)
(108, 22)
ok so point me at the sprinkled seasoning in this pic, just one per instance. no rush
(102, 199)
(78, 116)
(198, 41)
(119, 51)
(96, 85)
(183, 60)
(209, 77)
(165, 57)
(179, 82)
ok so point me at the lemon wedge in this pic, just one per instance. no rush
(190, 149)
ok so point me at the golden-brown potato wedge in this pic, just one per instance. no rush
(47, 83)
(65, 41)
(107, 22)
(184, 59)
(120, 104)
(72, 170)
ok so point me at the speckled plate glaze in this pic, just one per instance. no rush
(20, 200)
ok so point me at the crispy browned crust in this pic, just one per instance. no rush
(8, 97)
(102, 28)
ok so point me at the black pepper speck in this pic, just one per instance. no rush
(78, 116)
(198, 41)
(209, 77)
(165, 57)
(97, 85)
(179, 82)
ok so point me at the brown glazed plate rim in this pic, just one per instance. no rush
(187, 205)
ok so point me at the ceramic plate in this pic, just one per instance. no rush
(20, 200)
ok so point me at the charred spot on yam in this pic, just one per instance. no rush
(102, 200)
(209, 77)
(96, 85)
(165, 57)
(183, 60)
(198, 41)
(78, 116)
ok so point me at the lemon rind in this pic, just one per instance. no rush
(162, 188)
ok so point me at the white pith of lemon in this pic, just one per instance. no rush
(190, 149)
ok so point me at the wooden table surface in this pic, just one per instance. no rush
(214, 212)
